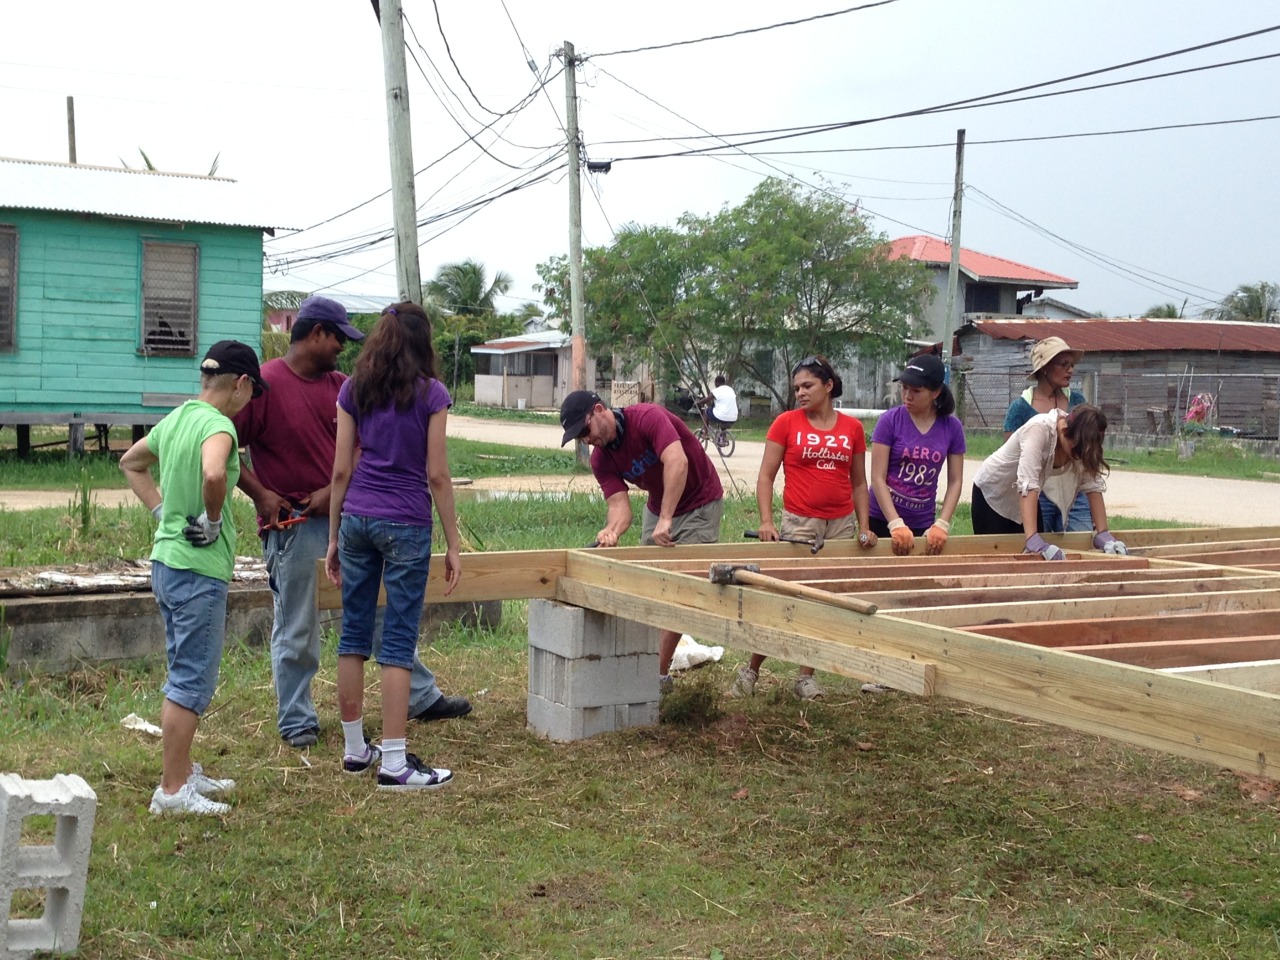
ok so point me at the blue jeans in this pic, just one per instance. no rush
(291, 555)
(394, 556)
(194, 610)
(1078, 518)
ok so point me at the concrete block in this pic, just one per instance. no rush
(60, 869)
(556, 721)
(593, 681)
(589, 672)
(575, 633)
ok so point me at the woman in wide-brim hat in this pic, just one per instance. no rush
(1053, 363)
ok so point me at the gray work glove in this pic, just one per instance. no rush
(158, 510)
(1106, 542)
(1037, 544)
(201, 531)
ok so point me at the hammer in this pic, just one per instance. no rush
(749, 574)
(814, 545)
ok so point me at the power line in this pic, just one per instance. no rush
(456, 68)
(974, 101)
(739, 33)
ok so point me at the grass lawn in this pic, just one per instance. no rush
(861, 826)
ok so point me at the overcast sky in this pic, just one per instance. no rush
(290, 94)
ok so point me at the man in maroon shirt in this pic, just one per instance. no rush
(651, 448)
(290, 437)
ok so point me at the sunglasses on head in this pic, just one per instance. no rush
(807, 363)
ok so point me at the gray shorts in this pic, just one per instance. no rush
(806, 528)
(700, 525)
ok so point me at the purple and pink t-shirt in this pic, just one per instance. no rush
(647, 431)
(390, 479)
(915, 461)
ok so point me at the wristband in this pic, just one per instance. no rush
(946, 527)
(895, 523)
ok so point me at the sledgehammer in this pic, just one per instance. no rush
(749, 574)
(814, 545)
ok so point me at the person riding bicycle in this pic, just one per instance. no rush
(721, 405)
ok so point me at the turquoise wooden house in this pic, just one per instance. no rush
(113, 284)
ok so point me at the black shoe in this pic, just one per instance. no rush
(445, 708)
(303, 739)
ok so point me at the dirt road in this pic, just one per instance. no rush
(1203, 500)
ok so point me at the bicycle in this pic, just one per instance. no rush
(720, 434)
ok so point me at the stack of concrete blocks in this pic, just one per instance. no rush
(589, 672)
(60, 870)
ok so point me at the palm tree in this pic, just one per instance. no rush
(1251, 302)
(463, 288)
(1163, 311)
(465, 295)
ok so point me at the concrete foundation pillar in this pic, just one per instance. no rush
(589, 672)
(60, 870)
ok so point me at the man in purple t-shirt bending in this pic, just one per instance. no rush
(652, 449)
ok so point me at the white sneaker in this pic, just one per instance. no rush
(807, 689)
(207, 786)
(744, 684)
(186, 800)
(416, 775)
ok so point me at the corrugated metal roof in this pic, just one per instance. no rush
(525, 342)
(1143, 333)
(133, 194)
(982, 267)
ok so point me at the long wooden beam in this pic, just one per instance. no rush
(818, 571)
(1159, 654)
(966, 612)
(1056, 593)
(1184, 547)
(1219, 724)
(1182, 626)
(1261, 675)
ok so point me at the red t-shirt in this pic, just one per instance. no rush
(291, 430)
(816, 464)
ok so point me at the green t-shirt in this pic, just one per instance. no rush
(177, 441)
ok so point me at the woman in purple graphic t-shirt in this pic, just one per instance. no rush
(910, 446)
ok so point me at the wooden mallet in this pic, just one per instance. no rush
(748, 574)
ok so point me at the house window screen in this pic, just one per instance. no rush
(169, 288)
(8, 288)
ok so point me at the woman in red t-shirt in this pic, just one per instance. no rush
(822, 453)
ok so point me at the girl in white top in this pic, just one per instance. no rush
(1054, 452)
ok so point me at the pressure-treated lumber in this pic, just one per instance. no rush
(1211, 722)
(1158, 654)
(1263, 675)
(1182, 626)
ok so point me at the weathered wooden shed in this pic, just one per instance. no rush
(528, 370)
(1143, 372)
(113, 283)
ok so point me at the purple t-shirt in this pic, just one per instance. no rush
(915, 461)
(649, 430)
(390, 480)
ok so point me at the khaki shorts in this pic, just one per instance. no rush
(700, 525)
(806, 528)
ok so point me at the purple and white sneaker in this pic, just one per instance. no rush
(357, 765)
(414, 776)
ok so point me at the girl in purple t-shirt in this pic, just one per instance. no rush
(909, 447)
(380, 531)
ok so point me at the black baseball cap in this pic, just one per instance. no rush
(232, 356)
(923, 371)
(574, 411)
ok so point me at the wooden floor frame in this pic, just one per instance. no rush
(1176, 647)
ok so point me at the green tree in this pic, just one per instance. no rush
(1163, 311)
(1252, 302)
(461, 301)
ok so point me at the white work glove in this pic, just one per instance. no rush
(1106, 542)
(1037, 544)
(158, 510)
(201, 531)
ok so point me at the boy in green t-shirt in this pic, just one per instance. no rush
(193, 556)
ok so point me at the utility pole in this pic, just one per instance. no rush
(953, 275)
(71, 128)
(577, 313)
(576, 309)
(404, 201)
